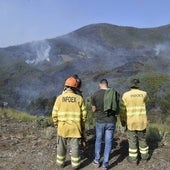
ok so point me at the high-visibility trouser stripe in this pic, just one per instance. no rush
(133, 152)
(75, 161)
(60, 159)
(144, 150)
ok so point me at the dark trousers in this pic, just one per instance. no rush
(137, 142)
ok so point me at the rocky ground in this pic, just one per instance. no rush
(24, 146)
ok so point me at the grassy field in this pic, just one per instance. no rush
(17, 115)
(38, 121)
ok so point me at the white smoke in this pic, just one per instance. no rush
(163, 51)
(42, 50)
(159, 48)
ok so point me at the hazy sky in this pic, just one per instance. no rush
(28, 20)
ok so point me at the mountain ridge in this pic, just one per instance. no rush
(38, 69)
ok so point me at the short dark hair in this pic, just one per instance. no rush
(134, 83)
(104, 81)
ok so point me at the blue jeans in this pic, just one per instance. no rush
(104, 131)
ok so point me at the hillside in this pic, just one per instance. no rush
(27, 143)
(35, 72)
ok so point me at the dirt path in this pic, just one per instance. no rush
(23, 146)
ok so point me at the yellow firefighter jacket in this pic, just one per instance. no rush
(69, 115)
(134, 101)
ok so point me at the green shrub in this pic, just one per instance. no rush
(157, 136)
(43, 122)
(153, 135)
(90, 123)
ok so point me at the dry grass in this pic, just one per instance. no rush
(17, 115)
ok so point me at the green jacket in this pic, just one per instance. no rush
(111, 100)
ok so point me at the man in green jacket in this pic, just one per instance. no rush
(105, 104)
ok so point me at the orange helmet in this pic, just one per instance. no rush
(71, 82)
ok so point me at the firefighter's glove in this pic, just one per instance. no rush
(83, 142)
(123, 123)
(123, 129)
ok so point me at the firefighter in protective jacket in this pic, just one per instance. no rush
(69, 116)
(133, 115)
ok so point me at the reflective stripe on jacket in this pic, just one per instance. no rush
(135, 103)
(69, 114)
